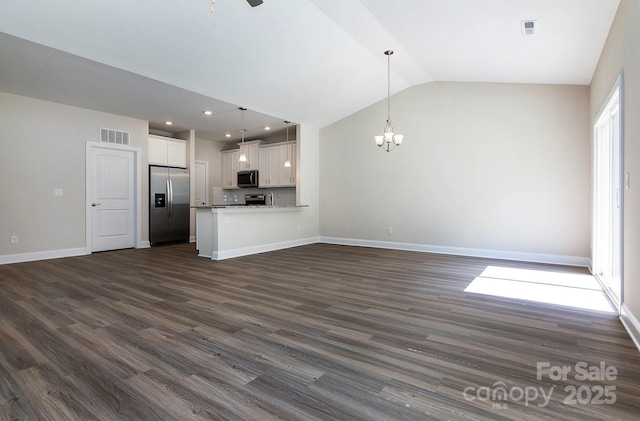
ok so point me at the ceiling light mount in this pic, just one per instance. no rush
(389, 139)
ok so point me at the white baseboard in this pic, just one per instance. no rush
(462, 251)
(192, 239)
(631, 324)
(262, 248)
(227, 254)
(42, 255)
(144, 245)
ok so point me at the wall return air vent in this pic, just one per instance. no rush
(529, 27)
(114, 136)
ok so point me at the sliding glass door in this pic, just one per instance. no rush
(607, 197)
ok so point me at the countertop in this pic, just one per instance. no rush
(247, 206)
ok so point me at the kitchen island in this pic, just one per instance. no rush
(226, 231)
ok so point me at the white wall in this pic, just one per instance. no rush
(209, 150)
(308, 183)
(621, 54)
(500, 167)
(42, 148)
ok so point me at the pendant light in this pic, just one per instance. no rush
(243, 156)
(388, 139)
(287, 163)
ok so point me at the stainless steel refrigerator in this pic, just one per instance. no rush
(168, 204)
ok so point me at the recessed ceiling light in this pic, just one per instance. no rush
(267, 128)
(227, 135)
(168, 123)
(207, 112)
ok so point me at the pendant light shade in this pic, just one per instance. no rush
(243, 156)
(287, 163)
(389, 139)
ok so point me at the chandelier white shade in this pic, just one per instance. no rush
(389, 139)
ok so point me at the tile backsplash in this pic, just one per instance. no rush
(281, 195)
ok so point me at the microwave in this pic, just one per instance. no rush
(248, 178)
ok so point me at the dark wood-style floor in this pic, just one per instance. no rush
(320, 332)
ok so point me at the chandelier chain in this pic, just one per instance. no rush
(389, 87)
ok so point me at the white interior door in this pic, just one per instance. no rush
(607, 209)
(201, 181)
(112, 198)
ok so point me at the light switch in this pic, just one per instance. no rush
(57, 192)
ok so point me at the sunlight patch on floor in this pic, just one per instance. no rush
(565, 289)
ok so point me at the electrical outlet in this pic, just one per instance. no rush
(14, 239)
(389, 230)
(57, 193)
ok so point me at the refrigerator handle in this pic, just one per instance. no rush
(170, 198)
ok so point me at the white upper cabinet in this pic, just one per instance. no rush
(177, 153)
(167, 151)
(157, 151)
(250, 149)
(273, 173)
(269, 169)
(287, 174)
(230, 169)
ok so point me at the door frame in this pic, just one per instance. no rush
(137, 191)
(206, 180)
(618, 88)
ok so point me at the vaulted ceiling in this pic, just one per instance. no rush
(309, 61)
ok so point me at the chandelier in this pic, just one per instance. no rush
(388, 140)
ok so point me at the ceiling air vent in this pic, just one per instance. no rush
(529, 27)
(114, 136)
